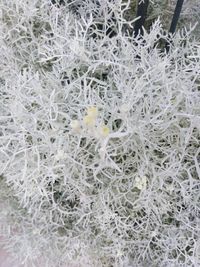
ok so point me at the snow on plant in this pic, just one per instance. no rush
(99, 138)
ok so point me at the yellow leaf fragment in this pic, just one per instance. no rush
(89, 120)
(104, 130)
(92, 112)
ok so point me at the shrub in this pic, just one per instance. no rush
(99, 137)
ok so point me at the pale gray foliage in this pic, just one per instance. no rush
(99, 138)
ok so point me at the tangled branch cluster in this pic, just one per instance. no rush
(99, 138)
